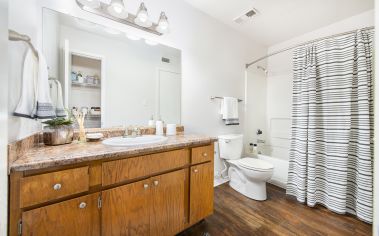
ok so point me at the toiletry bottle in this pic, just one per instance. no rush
(159, 127)
(79, 77)
(255, 149)
(151, 121)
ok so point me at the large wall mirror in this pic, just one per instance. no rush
(114, 77)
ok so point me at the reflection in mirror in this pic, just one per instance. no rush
(116, 78)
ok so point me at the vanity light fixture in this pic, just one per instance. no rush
(163, 24)
(90, 3)
(116, 11)
(150, 42)
(142, 18)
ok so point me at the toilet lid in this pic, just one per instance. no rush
(255, 164)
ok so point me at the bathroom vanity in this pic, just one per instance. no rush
(93, 189)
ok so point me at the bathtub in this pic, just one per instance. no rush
(279, 178)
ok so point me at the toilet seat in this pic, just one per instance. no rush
(254, 164)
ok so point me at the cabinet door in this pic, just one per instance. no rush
(169, 203)
(79, 216)
(201, 191)
(126, 209)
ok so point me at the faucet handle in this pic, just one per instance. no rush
(138, 130)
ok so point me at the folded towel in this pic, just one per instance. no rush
(27, 102)
(56, 97)
(44, 106)
(229, 111)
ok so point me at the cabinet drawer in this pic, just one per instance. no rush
(42, 188)
(202, 154)
(137, 167)
(125, 169)
(78, 216)
(165, 161)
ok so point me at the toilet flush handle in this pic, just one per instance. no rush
(227, 140)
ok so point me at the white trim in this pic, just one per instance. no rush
(157, 92)
(98, 57)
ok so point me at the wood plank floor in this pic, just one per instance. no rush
(235, 214)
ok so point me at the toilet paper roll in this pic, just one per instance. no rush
(171, 129)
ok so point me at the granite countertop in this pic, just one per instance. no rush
(51, 156)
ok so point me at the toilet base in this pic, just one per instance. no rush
(255, 190)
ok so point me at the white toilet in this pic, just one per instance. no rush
(247, 175)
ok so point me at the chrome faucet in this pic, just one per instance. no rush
(126, 132)
(136, 132)
(132, 132)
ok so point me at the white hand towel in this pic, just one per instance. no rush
(27, 102)
(56, 97)
(44, 106)
(229, 111)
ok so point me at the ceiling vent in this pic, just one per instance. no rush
(246, 16)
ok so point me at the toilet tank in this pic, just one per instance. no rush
(230, 146)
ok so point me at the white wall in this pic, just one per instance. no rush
(355, 22)
(256, 105)
(213, 57)
(3, 116)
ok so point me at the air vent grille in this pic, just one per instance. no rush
(246, 16)
(166, 60)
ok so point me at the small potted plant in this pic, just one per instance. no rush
(58, 131)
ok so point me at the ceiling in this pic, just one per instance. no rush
(280, 20)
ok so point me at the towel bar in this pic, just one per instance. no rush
(214, 97)
(15, 36)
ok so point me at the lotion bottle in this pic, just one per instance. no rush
(159, 127)
(151, 122)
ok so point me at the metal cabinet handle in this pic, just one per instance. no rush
(205, 154)
(82, 205)
(195, 170)
(145, 186)
(156, 182)
(57, 186)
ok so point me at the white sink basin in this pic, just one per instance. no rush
(139, 140)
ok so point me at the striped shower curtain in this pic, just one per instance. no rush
(331, 155)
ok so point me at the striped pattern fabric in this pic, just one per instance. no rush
(331, 155)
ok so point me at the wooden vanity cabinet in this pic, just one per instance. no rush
(125, 209)
(130, 196)
(78, 216)
(169, 203)
(155, 206)
(201, 192)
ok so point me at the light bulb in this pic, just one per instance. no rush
(117, 9)
(142, 18)
(142, 15)
(162, 24)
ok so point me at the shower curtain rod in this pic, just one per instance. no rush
(305, 43)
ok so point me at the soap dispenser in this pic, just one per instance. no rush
(159, 127)
(151, 122)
